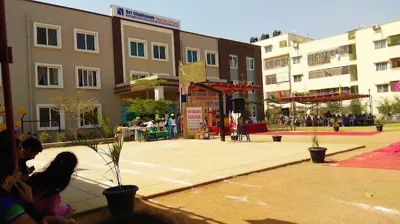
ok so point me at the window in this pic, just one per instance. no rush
(395, 62)
(160, 51)
(297, 78)
(250, 63)
(381, 66)
(88, 78)
(90, 119)
(137, 48)
(192, 55)
(382, 88)
(47, 35)
(296, 60)
(48, 76)
(86, 41)
(268, 49)
(270, 79)
(251, 83)
(49, 117)
(135, 75)
(380, 44)
(233, 61)
(212, 58)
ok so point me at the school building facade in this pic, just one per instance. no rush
(65, 50)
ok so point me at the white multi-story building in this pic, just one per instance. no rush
(365, 60)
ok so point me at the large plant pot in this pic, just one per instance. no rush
(336, 129)
(121, 200)
(317, 154)
(277, 138)
(379, 128)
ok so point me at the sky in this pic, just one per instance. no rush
(241, 19)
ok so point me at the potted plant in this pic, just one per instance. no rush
(277, 138)
(379, 125)
(317, 153)
(336, 126)
(120, 198)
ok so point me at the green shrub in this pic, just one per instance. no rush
(61, 137)
(44, 137)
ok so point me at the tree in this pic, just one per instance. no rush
(74, 106)
(385, 106)
(148, 107)
(149, 84)
(356, 107)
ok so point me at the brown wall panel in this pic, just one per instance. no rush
(117, 49)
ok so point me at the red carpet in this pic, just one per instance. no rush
(384, 158)
(320, 133)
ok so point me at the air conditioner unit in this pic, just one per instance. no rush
(376, 26)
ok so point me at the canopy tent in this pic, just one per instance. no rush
(324, 98)
(227, 88)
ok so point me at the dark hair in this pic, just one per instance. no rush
(6, 165)
(56, 177)
(32, 145)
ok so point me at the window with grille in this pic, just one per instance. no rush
(192, 55)
(91, 118)
(297, 78)
(160, 51)
(48, 76)
(137, 48)
(86, 41)
(233, 61)
(381, 66)
(382, 88)
(380, 44)
(88, 77)
(47, 35)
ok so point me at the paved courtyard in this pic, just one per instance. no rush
(164, 166)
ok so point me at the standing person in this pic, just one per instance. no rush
(172, 125)
(47, 185)
(31, 148)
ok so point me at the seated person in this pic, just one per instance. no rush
(31, 148)
(47, 185)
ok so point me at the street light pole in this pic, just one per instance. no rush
(5, 56)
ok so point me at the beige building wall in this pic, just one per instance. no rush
(21, 19)
(150, 35)
(202, 44)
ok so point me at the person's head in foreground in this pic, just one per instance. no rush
(56, 177)
(31, 148)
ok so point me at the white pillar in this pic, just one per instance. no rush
(159, 93)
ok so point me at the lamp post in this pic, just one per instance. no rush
(6, 59)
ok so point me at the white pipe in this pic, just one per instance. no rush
(29, 55)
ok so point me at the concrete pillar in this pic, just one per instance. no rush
(159, 93)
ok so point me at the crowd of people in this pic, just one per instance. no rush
(327, 120)
(29, 197)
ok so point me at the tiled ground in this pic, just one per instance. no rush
(158, 167)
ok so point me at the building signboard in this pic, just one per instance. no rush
(144, 17)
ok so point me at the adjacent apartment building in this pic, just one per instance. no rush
(365, 60)
(64, 50)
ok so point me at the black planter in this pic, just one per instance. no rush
(317, 154)
(336, 129)
(379, 128)
(277, 138)
(121, 200)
